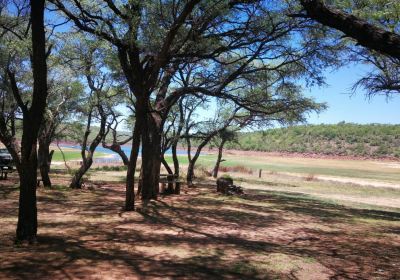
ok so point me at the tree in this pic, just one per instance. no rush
(224, 136)
(156, 40)
(116, 146)
(32, 115)
(373, 25)
(366, 34)
(64, 90)
(86, 57)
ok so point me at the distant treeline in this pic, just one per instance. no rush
(347, 139)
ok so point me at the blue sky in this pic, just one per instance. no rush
(352, 108)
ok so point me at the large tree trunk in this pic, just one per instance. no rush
(219, 159)
(32, 118)
(27, 212)
(44, 159)
(130, 174)
(151, 156)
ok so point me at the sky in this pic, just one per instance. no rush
(354, 108)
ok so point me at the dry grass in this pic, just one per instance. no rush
(84, 234)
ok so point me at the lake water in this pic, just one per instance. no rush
(126, 149)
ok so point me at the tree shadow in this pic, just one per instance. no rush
(201, 235)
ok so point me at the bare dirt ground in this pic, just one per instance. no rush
(83, 234)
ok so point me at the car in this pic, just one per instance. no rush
(6, 160)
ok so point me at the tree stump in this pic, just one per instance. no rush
(223, 184)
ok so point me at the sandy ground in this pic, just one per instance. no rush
(358, 181)
(355, 181)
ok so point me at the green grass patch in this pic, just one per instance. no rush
(73, 155)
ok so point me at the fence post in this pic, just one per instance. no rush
(259, 173)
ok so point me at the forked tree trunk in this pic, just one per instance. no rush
(192, 160)
(87, 155)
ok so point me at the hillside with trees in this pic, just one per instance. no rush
(346, 139)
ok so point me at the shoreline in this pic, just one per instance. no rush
(266, 154)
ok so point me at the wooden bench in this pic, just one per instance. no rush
(169, 179)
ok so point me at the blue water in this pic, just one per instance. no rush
(126, 149)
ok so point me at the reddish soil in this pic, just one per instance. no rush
(83, 234)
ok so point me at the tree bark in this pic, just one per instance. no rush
(32, 118)
(116, 148)
(130, 174)
(192, 160)
(175, 158)
(219, 159)
(44, 160)
(76, 182)
(27, 212)
(190, 173)
(366, 34)
(151, 156)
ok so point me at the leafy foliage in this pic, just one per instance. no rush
(347, 139)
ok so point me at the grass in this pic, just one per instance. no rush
(72, 155)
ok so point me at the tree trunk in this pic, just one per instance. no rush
(219, 159)
(44, 160)
(130, 174)
(176, 168)
(32, 118)
(175, 159)
(151, 156)
(116, 148)
(76, 182)
(190, 173)
(27, 212)
(192, 160)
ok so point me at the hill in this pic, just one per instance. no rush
(345, 139)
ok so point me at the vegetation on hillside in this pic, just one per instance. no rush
(347, 139)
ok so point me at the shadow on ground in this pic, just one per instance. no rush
(199, 235)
